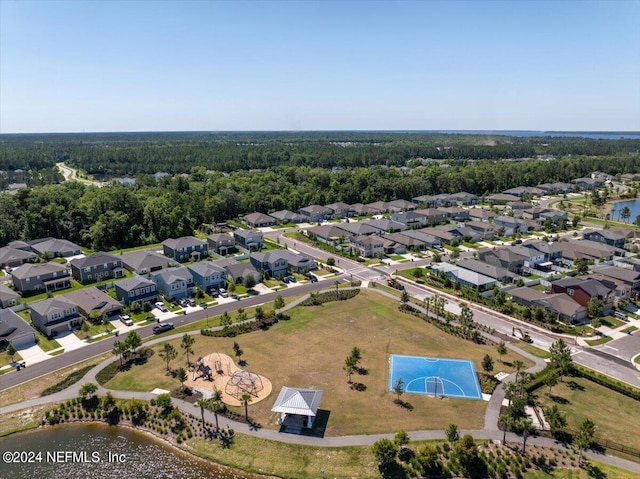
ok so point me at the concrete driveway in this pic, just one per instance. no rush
(33, 354)
(70, 341)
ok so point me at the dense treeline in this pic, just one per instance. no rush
(130, 154)
(117, 216)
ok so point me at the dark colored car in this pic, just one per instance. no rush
(203, 305)
(162, 327)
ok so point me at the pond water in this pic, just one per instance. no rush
(634, 208)
(86, 451)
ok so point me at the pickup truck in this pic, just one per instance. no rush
(162, 327)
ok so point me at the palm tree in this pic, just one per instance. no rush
(527, 428)
(246, 399)
(510, 390)
(501, 349)
(505, 421)
(202, 403)
(625, 213)
(518, 365)
(216, 405)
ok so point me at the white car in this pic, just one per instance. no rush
(161, 306)
(126, 320)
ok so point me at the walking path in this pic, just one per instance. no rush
(490, 430)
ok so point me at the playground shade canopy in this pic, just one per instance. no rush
(302, 402)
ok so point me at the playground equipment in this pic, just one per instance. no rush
(203, 370)
(243, 382)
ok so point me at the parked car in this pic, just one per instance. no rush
(224, 294)
(236, 297)
(191, 302)
(162, 327)
(313, 278)
(161, 306)
(285, 279)
(126, 320)
(292, 278)
(203, 305)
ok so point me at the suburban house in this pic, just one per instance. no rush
(584, 290)
(401, 205)
(511, 225)
(461, 231)
(534, 212)
(518, 206)
(221, 243)
(620, 288)
(367, 246)
(463, 198)
(521, 191)
(433, 201)
(380, 207)
(482, 214)
(186, 248)
(560, 306)
(41, 277)
(258, 220)
(551, 251)
(300, 263)
(412, 219)
(491, 270)
(441, 234)
(356, 228)
(627, 276)
(392, 247)
(55, 315)
(433, 216)
(341, 210)
(272, 263)
(329, 234)
(553, 188)
(429, 240)
(453, 213)
(208, 275)
(15, 330)
(463, 276)
(239, 271)
(145, 261)
(136, 289)
(174, 283)
(249, 239)
(316, 213)
(385, 225)
(587, 183)
(486, 230)
(609, 237)
(501, 199)
(8, 297)
(558, 218)
(505, 258)
(93, 301)
(55, 247)
(14, 257)
(96, 267)
(286, 216)
(410, 243)
(364, 210)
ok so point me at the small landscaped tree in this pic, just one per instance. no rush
(466, 452)
(551, 380)
(242, 315)
(595, 308)
(526, 428)
(119, 350)
(132, 341)
(561, 357)
(259, 313)
(88, 390)
(249, 281)
(404, 297)
(168, 353)
(246, 399)
(278, 304)
(349, 367)
(505, 421)
(225, 320)
(181, 375)
(452, 433)
(187, 345)
(557, 419)
(11, 351)
(217, 406)
(237, 351)
(136, 307)
(398, 388)
(487, 363)
(164, 401)
(401, 438)
(501, 349)
(582, 440)
(385, 451)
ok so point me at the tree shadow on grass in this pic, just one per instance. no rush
(359, 387)
(362, 371)
(403, 404)
(392, 471)
(595, 471)
(559, 399)
(575, 386)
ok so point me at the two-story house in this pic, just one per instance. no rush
(272, 263)
(8, 297)
(208, 275)
(316, 213)
(221, 243)
(96, 267)
(510, 225)
(15, 330)
(249, 239)
(55, 315)
(174, 283)
(367, 246)
(136, 289)
(341, 210)
(41, 277)
(186, 248)
(92, 301)
(412, 219)
(584, 290)
(485, 230)
(609, 237)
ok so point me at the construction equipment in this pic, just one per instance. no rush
(522, 335)
(394, 283)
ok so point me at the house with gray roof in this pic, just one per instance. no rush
(286, 216)
(92, 301)
(464, 277)
(8, 297)
(609, 237)
(239, 271)
(15, 330)
(627, 276)
(584, 290)
(412, 219)
(521, 191)
(14, 257)
(367, 246)
(145, 261)
(55, 247)
(491, 270)
(186, 248)
(429, 241)
(355, 228)
(454, 213)
(273, 264)
(221, 243)
(510, 225)
(485, 230)
(440, 233)
(41, 277)
(587, 183)
(401, 205)
(258, 220)
(364, 210)
(136, 289)
(330, 234)
(174, 283)
(385, 225)
(409, 242)
(249, 239)
(208, 275)
(55, 315)
(300, 263)
(341, 210)
(97, 267)
(316, 213)
(380, 206)
(481, 214)
(501, 199)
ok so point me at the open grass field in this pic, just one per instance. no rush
(309, 351)
(599, 470)
(615, 415)
(28, 418)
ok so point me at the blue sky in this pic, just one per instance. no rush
(331, 65)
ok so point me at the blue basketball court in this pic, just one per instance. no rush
(435, 376)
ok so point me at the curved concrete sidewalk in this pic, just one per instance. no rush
(490, 430)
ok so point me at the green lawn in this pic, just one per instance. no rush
(6, 359)
(611, 322)
(540, 353)
(45, 343)
(614, 414)
(600, 470)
